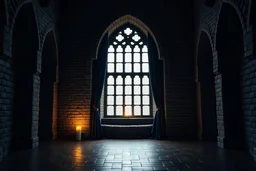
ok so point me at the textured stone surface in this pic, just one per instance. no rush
(207, 21)
(6, 103)
(128, 155)
(44, 20)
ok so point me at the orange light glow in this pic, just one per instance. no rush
(127, 115)
(78, 128)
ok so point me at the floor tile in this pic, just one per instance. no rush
(128, 155)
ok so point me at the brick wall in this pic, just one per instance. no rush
(44, 21)
(6, 104)
(208, 20)
(75, 76)
(81, 27)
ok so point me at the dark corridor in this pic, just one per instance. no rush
(230, 48)
(48, 78)
(207, 85)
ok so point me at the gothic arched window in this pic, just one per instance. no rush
(127, 86)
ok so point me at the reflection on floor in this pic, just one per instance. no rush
(128, 155)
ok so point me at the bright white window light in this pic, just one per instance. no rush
(127, 92)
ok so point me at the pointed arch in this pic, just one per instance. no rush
(30, 12)
(52, 32)
(230, 48)
(206, 90)
(224, 8)
(48, 93)
(205, 33)
(133, 21)
(25, 45)
(117, 34)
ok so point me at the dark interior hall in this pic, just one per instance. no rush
(128, 85)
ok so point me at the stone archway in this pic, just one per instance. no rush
(230, 47)
(24, 54)
(2, 23)
(207, 89)
(47, 117)
(121, 127)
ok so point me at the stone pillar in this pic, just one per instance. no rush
(35, 102)
(35, 110)
(219, 102)
(219, 111)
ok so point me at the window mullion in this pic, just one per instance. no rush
(132, 83)
(123, 76)
(105, 96)
(115, 84)
(141, 91)
(132, 45)
(150, 102)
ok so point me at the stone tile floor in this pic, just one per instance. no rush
(128, 155)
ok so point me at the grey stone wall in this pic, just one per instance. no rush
(45, 21)
(208, 22)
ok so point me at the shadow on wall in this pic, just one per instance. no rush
(253, 23)
(210, 3)
(24, 53)
(207, 89)
(44, 3)
(2, 22)
(47, 110)
(230, 54)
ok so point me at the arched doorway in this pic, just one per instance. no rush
(24, 54)
(230, 49)
(2, 22)
(48, 78)
(207, 89)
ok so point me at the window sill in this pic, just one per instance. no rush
(127, 121)
(126, 126)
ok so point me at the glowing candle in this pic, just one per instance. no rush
(78, 133)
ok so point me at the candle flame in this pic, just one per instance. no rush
(78, 128)
(127, 115)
